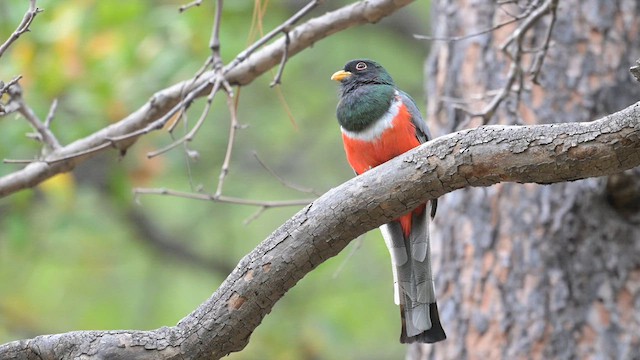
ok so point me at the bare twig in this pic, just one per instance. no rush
(273, 33)
(191, 134)
(51, 161)
(285, 56)
(514, 71)
(27, 19)
(540, 55)
(90, 151)
(218, 75)
(221, 199)
(510, 2)
(284, 182)
(43, 134)
(512, 48)
(184, 103)
(4, 88)
(468, 36)
(10, 106)
(218, 81)
(224, 170)
(188, 6)
(214, 42)
(188, 85)
(51, 114)
(167, 102)
(18, 161)
(214, 45)
(356, 246)
(254, 216)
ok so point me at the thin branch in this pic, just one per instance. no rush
(76, 155)
(352, 252)
(183, 111)
(191, 134)
(286, 25)
(217, 80)
(512, 48)
(43, 133)
(277, 80)
(27, 19)
(224, 170)
(10, 106)
(468, 36)
(542, 54)
(501, 6)
(51, 114)
(283, 181)
(214, 42)
(222, 198)
(254, 216)
(188, 6)
(18, 161)
(215, 60)
(514, 72)
(4, 88)
(158, 124)
(165, 103)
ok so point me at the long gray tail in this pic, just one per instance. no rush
(413, 280)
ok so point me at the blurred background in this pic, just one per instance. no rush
(80, 252)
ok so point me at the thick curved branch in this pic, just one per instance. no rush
(477, 157)
(239, 72)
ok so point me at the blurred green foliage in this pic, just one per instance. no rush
(73, 254)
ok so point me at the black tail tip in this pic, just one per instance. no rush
(433, 335)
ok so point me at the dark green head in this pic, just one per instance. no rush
(362, 72)
(366, 92)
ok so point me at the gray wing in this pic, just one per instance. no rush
(422, 130)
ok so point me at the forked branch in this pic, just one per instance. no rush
(27, 19)
(247, 66)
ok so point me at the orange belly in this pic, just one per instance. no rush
(398, 139)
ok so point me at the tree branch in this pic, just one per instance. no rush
(27, 19)
(477, 157)
(239, 72)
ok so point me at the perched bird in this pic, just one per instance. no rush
(379, 122)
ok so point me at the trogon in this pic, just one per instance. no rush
(379, 122)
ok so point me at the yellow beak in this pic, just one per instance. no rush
(340, 75)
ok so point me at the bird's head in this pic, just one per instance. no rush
(362, 72)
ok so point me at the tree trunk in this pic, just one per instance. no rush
(533, 271)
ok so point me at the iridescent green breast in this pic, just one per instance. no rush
(361, 106)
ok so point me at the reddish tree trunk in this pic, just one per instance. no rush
(534, 271)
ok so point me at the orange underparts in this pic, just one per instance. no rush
(399, 138)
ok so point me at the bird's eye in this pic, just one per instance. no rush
(361, 66)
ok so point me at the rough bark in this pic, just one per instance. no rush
(477, 157)
(537, 272)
